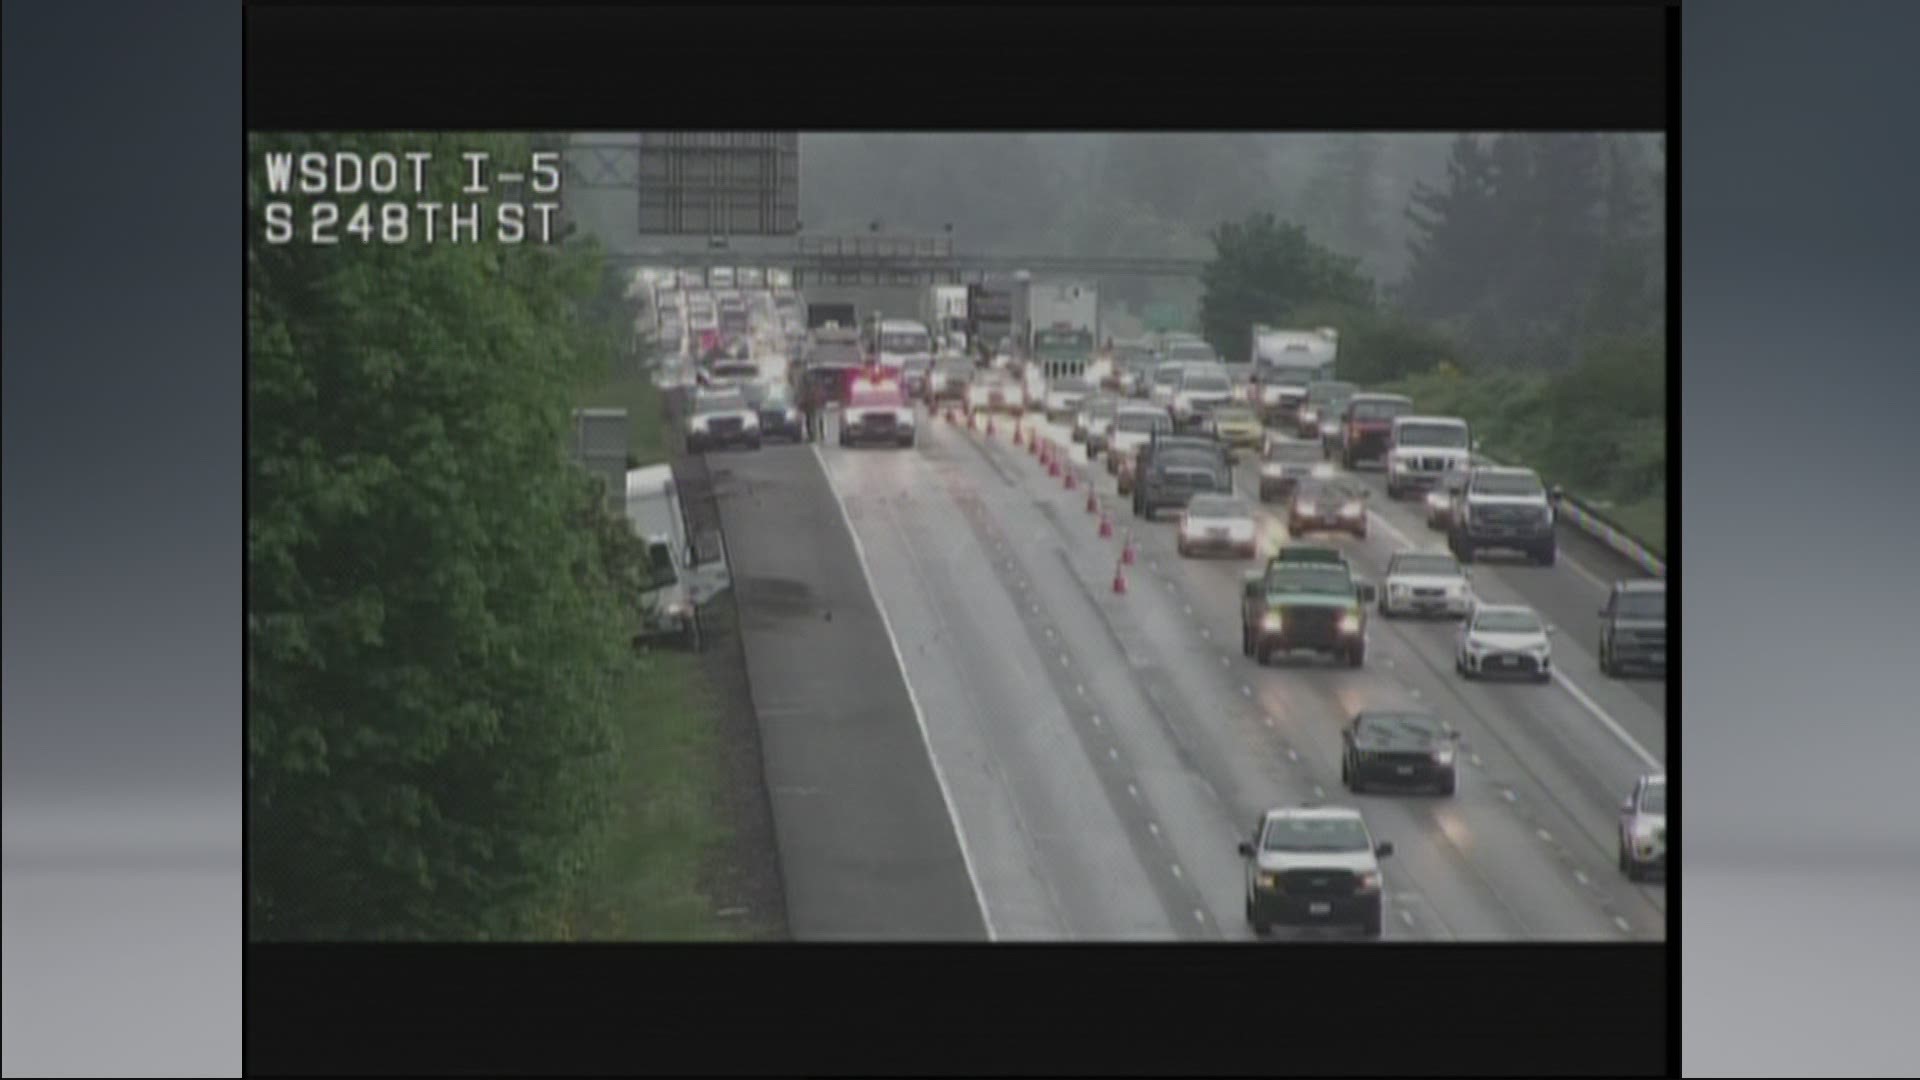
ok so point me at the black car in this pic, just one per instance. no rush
(1172, 477)
(779, 413)
(1402, 748)
(1283, 465)
(1633, 627)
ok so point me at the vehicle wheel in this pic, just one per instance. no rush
(1346, 460)
(693, 633)
(1360, 533)
(1544, 677)
(1548, 555)
(1260, 929)
(1385, 611)
(1463, 550)
(1356, 656)
(1346, 774)
(1292, 530)
(1393, 491)
(1465, 671)
(1261, 652)
(1181, 547)
(1447, 785)
(1626, 866)
(1371, 927)
(1606, 662)
(754, 445)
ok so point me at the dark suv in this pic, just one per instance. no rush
(1169, 478)
(1633, 627)
(1398, 747)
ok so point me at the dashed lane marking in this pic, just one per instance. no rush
(1246, 691)
(1623, 924)
(1292, 754)
(1507, 794)
(1199, 916)
(1544, 835)
(1133, 791)
(1407, 917)
(1112, 753)
(1319, 792)
(1176, 870)
(1581, 877)
(1152, 828)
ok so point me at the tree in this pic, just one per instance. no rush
(1453, 232)
(1263, 271)
(432, 636)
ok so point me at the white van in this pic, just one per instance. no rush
(680, 584)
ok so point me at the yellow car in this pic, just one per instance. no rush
(1237, 426)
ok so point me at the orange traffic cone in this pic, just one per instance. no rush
(1093, 501)
(1119, 579)
(1126, 550)
(989, 425)
(1106, 530)
(1016, 433)
(971, 425)
(1053, 461)
(1070, 482)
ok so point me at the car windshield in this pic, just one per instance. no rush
(1643, 605)
(1191, 351)
(875, 397)
(1328, 393)
(1432, 565)
(1233, 416)
(905, 342)
(917, 364)
(1654, 799)
(1507, 484)
(1507, 622)
(1218, 506)
(1380, 410)
(1207, 384)
(1442, 435)
(1419, 727)
(1101, 408)
(1315, 578)
(1286, 376)
(1302, 452)
(1167, 376)
(1316, 834)
(736, 371)
(711, 403)
(774, 395)
(834, 352)
(1071, 386)
(1327, 492)
(958, 368)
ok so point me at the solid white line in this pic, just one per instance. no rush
(1581, 877)
(1199, 916)
(1176, 870)
(1545, 835)
(1112, 753)
(1319, 792)
(1247, 690)
(939, 777)
(1625, 927)
(1407, 917)
(1152, 828)
(1612, 725)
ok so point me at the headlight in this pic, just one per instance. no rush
(1269, 881)
(1436, 499)
(904, 417)
(1270, 622)
(1475, 648)
(793, 414)
(1540, 651)
(1273, 470)
(753, 421)
(1443, 756)
(677, 608)
(1350, 623)
(699, 423)
(1367, 881)
(1352, 509)
(1309, 416)
(1323, 470)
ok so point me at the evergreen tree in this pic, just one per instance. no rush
(1452, 259)
(1265, 271)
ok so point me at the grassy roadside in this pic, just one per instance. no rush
(646, 881)
(645, 885)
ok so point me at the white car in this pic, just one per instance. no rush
(1218, 523)
(1426, 583)
(1423, 449)
(1201, 390)
(1134, 426)
(1165, 382)
(993, 391)
(1504, 640)
(1064, 397)
(877, 412)
(1643, 829)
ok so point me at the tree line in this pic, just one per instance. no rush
(438, 610)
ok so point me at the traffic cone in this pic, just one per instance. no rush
(1126, 550)
(1033, 445)
(971, 423)
(1093, 501)
(1053, 460)
(1016, 433)
(1106, 530)
(1071, 483)
(989, 425)
(1119, 579)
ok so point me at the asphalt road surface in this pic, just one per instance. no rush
(992, 741)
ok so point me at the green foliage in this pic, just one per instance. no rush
(1378, 345)
(434, 632)
(1265, 271)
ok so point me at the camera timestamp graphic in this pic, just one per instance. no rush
(409, 197)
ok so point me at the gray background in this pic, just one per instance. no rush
(123, 538)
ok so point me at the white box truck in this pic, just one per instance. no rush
(670, 604)
(1284, 362)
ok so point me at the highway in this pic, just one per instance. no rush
(1089, 761)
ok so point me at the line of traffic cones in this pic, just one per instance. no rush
(1126, 550)
(989, 425)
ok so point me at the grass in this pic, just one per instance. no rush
(646, 883)
(1645, 520)
(633, 390)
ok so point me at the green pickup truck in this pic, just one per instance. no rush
(1308, 598)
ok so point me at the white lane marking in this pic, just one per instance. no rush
(919, 717)
(1268, 719)
(1581, 877)
(1189, 608)
(1036, 607)
(1063, 659)
(1199, 916)
(1475, 759)
(1225, 660)
(1609, 722)
(1592, 578)
(1096, 723)
(1319, 792)
(1507, 794)
(1080, 688)
(1049, 631)
(1206, 633)
(1407, 917)
(1292, 754)
(1391, 662)
(1545, 835)
(1414, 690)
(1621, 922)
(1152, 828)
(1133, 791)
(1176, 870)
(1112, 753)
(1246, 691)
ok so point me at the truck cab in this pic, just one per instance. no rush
(1307, 598)
(1424, 449)
(1366, 427)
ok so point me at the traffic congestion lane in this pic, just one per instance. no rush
(1497, 901)
(1547, 771)
(1201, 802)
(1568, 594)
(1057, 853)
